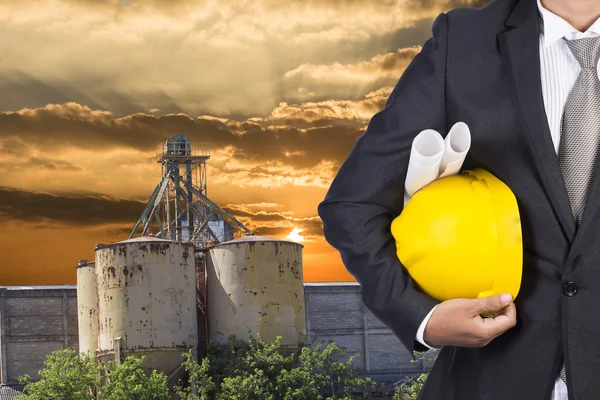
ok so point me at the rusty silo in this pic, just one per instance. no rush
(147, 301)
(87, 307)
(256, 277)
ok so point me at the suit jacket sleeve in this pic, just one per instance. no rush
(368, 191)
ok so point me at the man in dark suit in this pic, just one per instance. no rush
(483, 67)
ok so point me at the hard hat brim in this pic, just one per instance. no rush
(508, 235)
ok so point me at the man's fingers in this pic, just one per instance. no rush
(491, 303)
(458, 322)
(509, 311)
(506, 319)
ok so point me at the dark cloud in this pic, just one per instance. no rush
(38, 207)
(53, 127)
(54, 212)
(306, 149)
(48, 163)
(278, 231)
(310, 227)
(273, 222)
(270, 231)
(256, 216)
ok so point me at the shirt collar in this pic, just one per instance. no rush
(555, 28)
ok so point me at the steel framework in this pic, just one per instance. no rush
(179, 208)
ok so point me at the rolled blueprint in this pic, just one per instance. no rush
(456, 146)
(424, 162)
(432, 157)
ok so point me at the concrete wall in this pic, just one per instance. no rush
(335, 311)
(34, 321)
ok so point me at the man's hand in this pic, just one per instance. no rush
(458, 322)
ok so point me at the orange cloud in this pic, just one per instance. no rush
(225, 58)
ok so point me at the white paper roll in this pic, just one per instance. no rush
(424, 163)
(456, 146)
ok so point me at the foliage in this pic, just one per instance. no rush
(225, 360)
(420, 356)
(69, 376)
(65, 376)
(252, 370)
(258, 370)
(129, 381)
(409, 389)
(201, 384)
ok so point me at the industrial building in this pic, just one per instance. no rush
(186, 280)
(255, 286)
(139, 298)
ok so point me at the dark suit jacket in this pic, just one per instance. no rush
(480, 66)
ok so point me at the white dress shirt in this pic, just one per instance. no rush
(558, 71)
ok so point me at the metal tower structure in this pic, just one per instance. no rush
(179, 208)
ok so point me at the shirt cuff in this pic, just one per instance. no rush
(421, 331)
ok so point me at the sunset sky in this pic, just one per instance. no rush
(280, 89)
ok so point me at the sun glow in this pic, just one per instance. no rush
(295, 235)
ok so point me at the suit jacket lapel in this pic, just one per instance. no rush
(519, 45)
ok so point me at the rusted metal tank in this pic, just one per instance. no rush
(87, 306)
(147, 301)
(255, 287)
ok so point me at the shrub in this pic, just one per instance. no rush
(129, 381)
(409, 390)
(236, 370)
(257, 370)
(201, 385)
(65, 376)
(69, 376)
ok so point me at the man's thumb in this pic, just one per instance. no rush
(492, 303)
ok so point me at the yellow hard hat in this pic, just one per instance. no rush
(460, 237)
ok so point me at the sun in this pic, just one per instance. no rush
(295, 235)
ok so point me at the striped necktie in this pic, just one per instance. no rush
(578, 150)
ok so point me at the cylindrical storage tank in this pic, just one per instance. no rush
(147, 301)
(255, 287)
(87, 307)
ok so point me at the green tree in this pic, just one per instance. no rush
(256, 374)
(251, 370)
(129, 381)
(410, 389)
(331, 373)
(66, 376)
(69, 376)
(258, 370)
(226, 359)
(201, 385)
